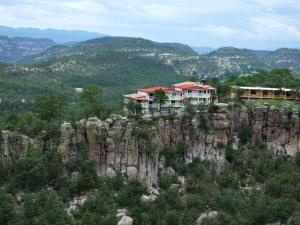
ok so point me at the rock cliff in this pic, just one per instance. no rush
(132, 147)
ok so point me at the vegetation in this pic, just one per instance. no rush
(134, 108)
(47, 113)
(253, 187)
(159, 97)
(277, 78)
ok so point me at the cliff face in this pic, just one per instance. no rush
(119, 144)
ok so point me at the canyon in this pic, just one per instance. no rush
(135, 148)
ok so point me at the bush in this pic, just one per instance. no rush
(245, 133)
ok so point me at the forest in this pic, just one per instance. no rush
(253, 187)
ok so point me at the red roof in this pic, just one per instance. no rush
(136, 97)
(189, 85)
(154, 89)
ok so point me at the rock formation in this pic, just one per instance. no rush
(119, 144)
(209, 215)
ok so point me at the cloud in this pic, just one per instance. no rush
(242, 23)
(274, 28)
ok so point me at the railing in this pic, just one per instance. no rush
(271, 97)
(177, 98)
(156, 105)
(195, 95)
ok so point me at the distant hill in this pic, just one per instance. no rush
(51, 52)
(14, 49)
(286, 58)
(130, 45)
(203, 50)
(183, 59)
(59, 36)
(122, 64)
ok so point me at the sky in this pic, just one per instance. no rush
(256, 24)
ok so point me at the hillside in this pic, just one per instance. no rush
(121, 64)
(231, 60)
(14, 49)
(50, 52)
(286, 58)
(183, 59)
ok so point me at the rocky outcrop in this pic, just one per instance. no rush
(123, 218)
(209, 215)
(132, 147)
(13, 145)
(278, 128)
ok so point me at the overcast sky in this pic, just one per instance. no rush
(258, 24)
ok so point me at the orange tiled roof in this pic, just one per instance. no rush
(189, 85)
(136, 97)
(154, 89)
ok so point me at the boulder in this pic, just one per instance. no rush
(110, 172)
(131, 172)
(152, 190)
(209, 215)
(221, 107)
(145, 199)
(201, 218)
(125, 220)
(121, 213)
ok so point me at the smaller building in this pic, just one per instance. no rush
(177, 97)
(268, 93)
(196, 93)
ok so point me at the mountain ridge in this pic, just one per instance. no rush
(58, 35)
(14, 49)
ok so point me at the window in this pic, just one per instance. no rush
(150, 102)
(204, 92)
(189, 92)
(150, 94)
(173, 101)
(265, 93)
(253, 92)
(173, 94)
(200, 92)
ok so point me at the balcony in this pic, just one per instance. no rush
(198, 95)
(176, 98)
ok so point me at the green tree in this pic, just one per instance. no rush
(91, 101)
(245, 133)
(50, 107)
(44, 208)
(30, 171)
(159, 97)
(134, 108)
(7, 208)
(193, 78)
